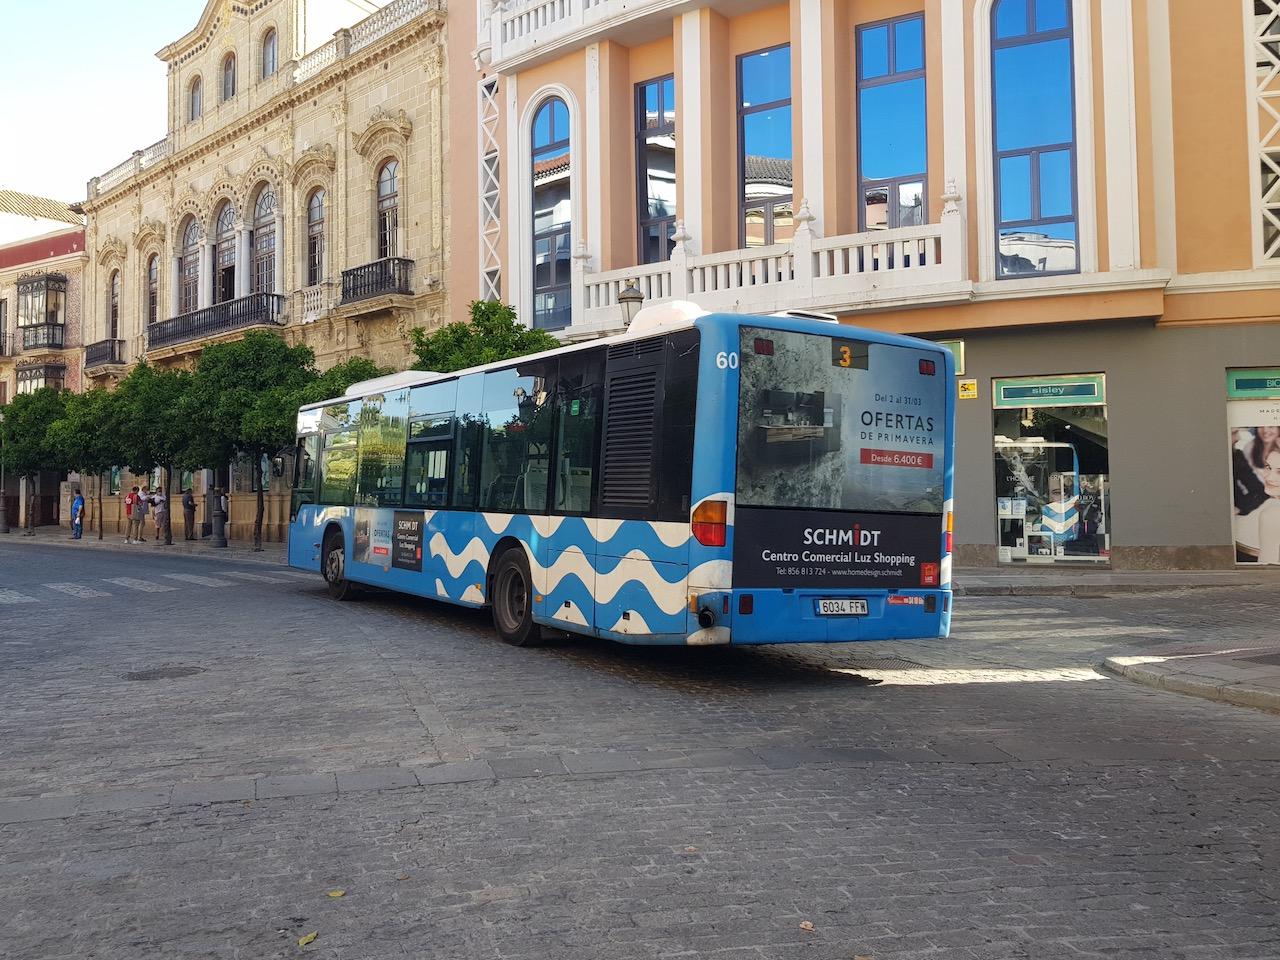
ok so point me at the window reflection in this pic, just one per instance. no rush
(552, 205)
(656, 173)
(891, 123)
(765, 150)
(1033, 100)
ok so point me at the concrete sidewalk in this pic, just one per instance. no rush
(1243, 676)
(239, 551)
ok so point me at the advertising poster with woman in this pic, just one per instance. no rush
(1255, 476)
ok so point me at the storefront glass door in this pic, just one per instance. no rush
(1052, 470)
(1253, 418)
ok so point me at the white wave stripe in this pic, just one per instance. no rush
(634, 624)
(440, 590)
(571, 560)
(667, 597)
(455, 563)
(944, 575)
(671, 534)
(712, 575)
(472, 594)
(568, 612)
(498, 522)
(603, 530)
(547, 526)
(708, 637)
(726, 497)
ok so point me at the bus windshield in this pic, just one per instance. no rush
(837, 423)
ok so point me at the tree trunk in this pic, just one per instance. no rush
(262, 505)
(101, 508)
(168, 506)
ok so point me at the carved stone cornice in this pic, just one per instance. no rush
(149, 232)
(111, 249)
(322, 160)
(395, 127)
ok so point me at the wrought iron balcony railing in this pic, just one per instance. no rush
(390, 275)
(44, 335)
(104, 352)
(254, 310)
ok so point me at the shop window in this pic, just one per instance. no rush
(1253, 415)
(891, 124)
(765, 148)
(1052, 470)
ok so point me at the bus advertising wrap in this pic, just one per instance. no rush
(818, 548)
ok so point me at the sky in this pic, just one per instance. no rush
(80, 90)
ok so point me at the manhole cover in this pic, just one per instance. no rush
(1270, 660)
(164, 673)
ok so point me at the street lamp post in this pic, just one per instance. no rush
(629, 299)
(4, 516)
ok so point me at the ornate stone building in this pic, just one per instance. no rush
(299, 187)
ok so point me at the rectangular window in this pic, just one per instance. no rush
(656, 167)
(578, 418)
(382, 430)
(469, 432)
(432, 428)
(765, 148)
(338, 456)
(891, 124)
(518, 418)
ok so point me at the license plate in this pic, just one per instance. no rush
(843, 607)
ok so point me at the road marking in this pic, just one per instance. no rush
(133, 583)
(245, 575)
(300, 574)
(202, 581)
(13, 596)
(77, 590)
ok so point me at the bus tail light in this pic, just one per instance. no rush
(710, 523)
(746, 603)
(928, 368)
(763, 347)
(950, 528)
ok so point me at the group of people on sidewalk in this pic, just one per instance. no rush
(139, 502)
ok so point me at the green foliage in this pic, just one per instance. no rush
(152, 421)
(493, 333)
(334, 381)
(27, 419)
(86, 437)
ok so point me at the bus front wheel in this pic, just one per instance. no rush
(335, 568)
(512, 600)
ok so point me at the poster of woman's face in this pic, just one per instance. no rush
(1255, 480)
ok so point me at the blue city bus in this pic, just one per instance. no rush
(699, 479)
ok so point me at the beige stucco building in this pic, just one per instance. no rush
(299, 186)
(1083, 195)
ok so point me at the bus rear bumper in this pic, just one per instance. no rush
(779, 616)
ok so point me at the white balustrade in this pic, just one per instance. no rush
(317, 300)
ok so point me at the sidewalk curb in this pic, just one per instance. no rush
(225, 555)
(1207, 688)
(1083, 589)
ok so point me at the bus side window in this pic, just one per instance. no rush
(679, 406)
(578, 418)
(469, 432)
(516, 464)
(304, 467)
(338, 468)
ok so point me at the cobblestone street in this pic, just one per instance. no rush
(194, 753)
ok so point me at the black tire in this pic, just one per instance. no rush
(511, 600)
(333, 565)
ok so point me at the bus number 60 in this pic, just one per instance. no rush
(727, 360)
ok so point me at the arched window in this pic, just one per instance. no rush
(270, 49)
(153, 288)
(264, 241)
(315, 238)
(388, 210)
(189, 267)
(552, 203)
(195, 103)
(228, 77)
(224, 254)
(1033, 117)
(113, 308)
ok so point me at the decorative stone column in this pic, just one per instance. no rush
(279, 252)
(175, 286)
(244, 242)
(204, 296)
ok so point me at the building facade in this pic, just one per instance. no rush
(1083, 196)
(299, 187)
(42, 281)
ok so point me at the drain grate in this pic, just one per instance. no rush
(164, 673)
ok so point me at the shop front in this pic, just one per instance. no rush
(1052, 470)
(1253, 424)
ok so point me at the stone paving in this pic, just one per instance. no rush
(991, 796)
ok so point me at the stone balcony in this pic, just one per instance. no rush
(105, 354)
(873, 270)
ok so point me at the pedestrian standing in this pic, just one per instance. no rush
(161, 512)
(77, 516)
(188, 515)
(140, 510)
(130, 504)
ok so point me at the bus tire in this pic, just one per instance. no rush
(512, 600)
(333, 564)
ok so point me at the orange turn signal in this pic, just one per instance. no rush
(710, 523)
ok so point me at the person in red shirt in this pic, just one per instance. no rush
(130, 501)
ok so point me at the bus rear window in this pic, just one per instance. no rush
(829, 422)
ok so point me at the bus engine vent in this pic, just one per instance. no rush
(631, 414)
(636, 348)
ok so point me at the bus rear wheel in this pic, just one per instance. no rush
(334, 568)
(512, 601)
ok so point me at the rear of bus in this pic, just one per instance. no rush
(842, 478)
